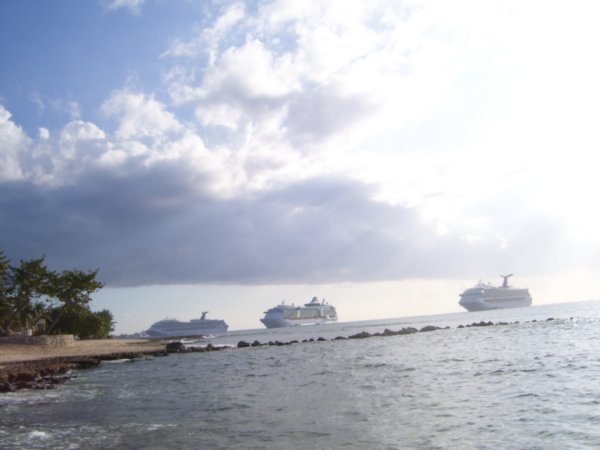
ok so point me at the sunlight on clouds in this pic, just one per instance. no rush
(79, 130)
(12, 142)
(140, 116)
(246, 72)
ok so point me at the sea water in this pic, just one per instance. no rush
(531, 385)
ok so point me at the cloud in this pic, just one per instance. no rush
(44, 133)
(318, 142)
(139, 116)
(134, 6)
(162, 224)
(13, 143)
(78, 130)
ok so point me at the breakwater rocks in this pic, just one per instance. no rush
(47, 373)
(386, 332)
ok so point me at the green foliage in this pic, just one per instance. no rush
(30, 291)
(83, 323)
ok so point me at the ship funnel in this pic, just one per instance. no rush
(204, 313)
(505, 282)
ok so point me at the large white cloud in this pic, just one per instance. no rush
(13, 142)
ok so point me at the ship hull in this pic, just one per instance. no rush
(187, 329)
(277, 322)
(485, 298)
(475, 305)
(312, 313)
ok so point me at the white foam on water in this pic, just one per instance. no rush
(38, 435)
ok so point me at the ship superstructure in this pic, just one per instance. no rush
(312, 313)
(195, 327)
(484, 296)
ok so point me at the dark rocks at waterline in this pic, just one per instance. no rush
(47, 373)
(385, 333)
(361, 335)
(481, 324)
(408, 330)
(33, 376)
(175, 347)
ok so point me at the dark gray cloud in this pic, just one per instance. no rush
(158, 226)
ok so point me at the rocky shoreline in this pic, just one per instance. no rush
(49, 372)
(46, 373)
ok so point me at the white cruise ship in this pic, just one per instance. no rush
(484, 296)
(195, 327)
(312, 313)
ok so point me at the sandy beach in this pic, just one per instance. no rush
(14, 353)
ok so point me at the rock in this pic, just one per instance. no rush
(321, 339)
(6, 387)
(339, 338)
(243, 344)
(86, 363)
(408, 330)
(361, 335)
(256, 344)
(26, 377)
(175, 347)
(429, 328)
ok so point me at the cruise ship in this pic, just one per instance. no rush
(195, 327)
(312, 313)
(484, 296)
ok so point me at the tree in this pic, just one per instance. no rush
(83, 323)
(20, 286)
(72, 288)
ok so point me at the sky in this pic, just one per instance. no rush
(225, 156)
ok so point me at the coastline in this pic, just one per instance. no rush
(26, 366)
(21, 353)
